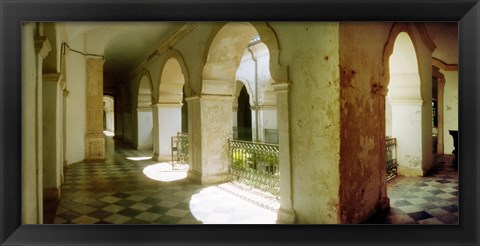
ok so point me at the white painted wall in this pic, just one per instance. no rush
(76, 106)
(170, 123)
(450, 108)
(406, 124)
(145, 128)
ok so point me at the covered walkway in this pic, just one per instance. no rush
(128, 187)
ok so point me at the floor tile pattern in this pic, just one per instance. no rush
(424, 200)
(119, 190)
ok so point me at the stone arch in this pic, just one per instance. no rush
(169, 111)
(225, 49)
(144, 90)
(173, 77)
(404, 106)
(410, 29)
(109, 108)
(143, 123)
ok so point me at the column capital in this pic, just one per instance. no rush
(209, 97)
(281, 87)
(42, 46)
(167, 105)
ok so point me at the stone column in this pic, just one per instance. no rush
(52, 144)
(144, 125)
(440, 90)
(209, 129)
(286, 214)
(127, 125)
(42, 48)
(407, 128)
(167, 122)
(95, 142)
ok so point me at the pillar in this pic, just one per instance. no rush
(52, 140)
(95, 142)
(440, 135)
(209, 128)
(144, 127)
(407, 128)
(167, 122)
(286, 214)
(127, 125)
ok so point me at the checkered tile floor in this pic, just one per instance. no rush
(123, 190)
(424, 200)
(130, 188)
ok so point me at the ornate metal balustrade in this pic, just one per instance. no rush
(180, 149)
(242, 133)
(271, 136)
(255, 165)
(391, 157)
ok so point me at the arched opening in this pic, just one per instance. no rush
(243, 126)
(404, 106)
(170, 112)
(144, 122)
(235, 54)
(108, 116)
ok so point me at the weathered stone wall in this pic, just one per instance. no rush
(362, 132)
(310, 50)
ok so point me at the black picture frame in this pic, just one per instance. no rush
(13, 12)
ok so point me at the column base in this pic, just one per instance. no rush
(285, 216)
(208, 179)
(95, 148)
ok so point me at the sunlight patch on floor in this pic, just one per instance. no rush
(163, 172)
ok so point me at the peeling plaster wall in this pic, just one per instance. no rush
(450, 108)
(362, 146)
(76, 105)
(29, 186)
(314, 117)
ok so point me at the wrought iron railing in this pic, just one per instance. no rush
(255, 165)
(391, 144)
(242, 133)
(271, 136)
(180, 149)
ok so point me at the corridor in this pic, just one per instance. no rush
(130, 188)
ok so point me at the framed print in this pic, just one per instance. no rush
(239, 122)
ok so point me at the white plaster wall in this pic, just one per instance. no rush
(29, 186)
(170, 123)
(450, 108)
(388, 117)
(406, 122)
(145, 128)
(76, 106)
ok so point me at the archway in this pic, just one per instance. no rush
(210, 160)
(243, 116)
(169, 109)
(144, 122)
(108, 110)
(404, 106)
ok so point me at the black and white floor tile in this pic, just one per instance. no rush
(130, 188)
